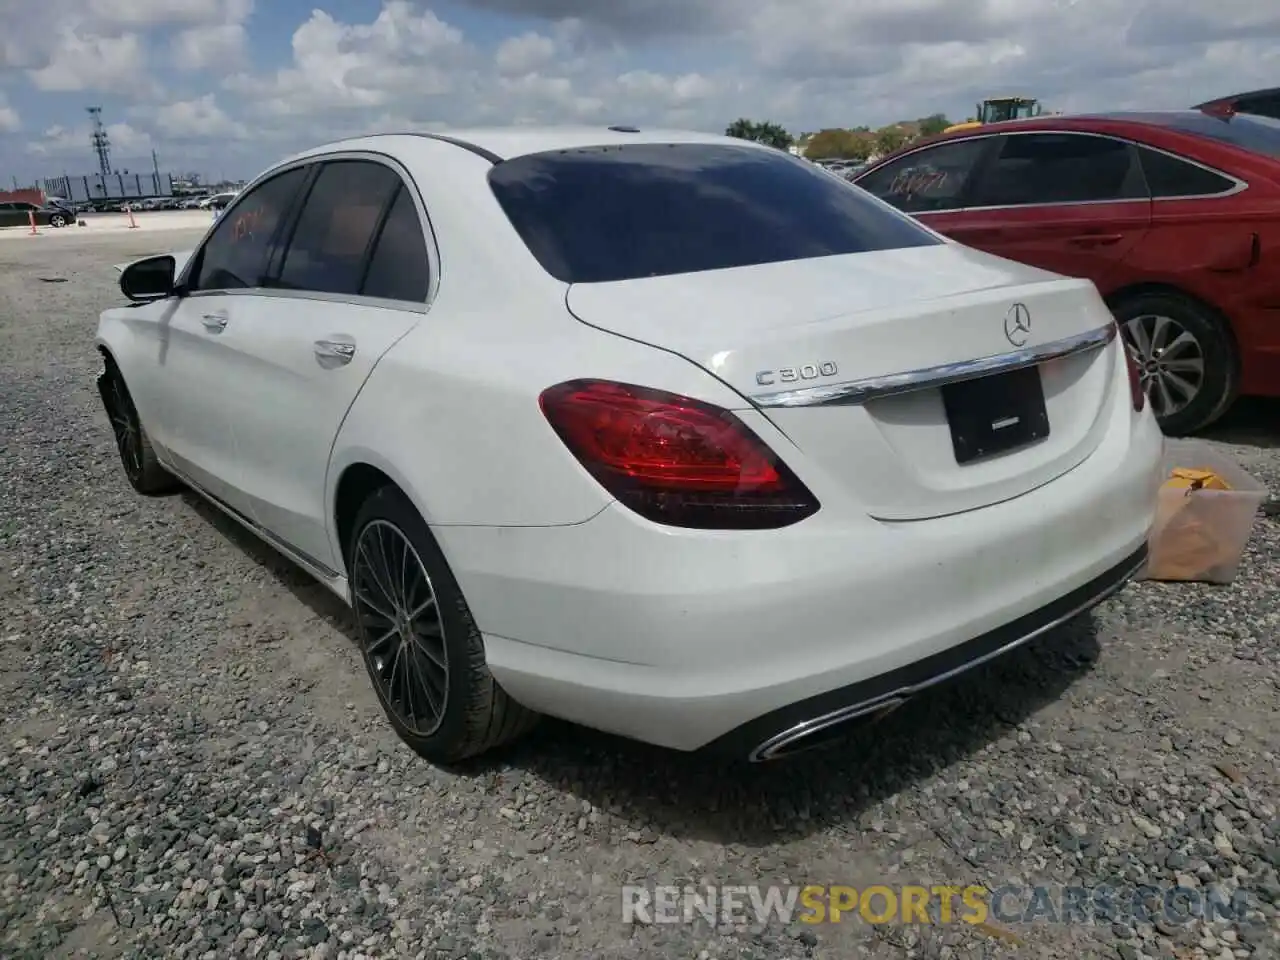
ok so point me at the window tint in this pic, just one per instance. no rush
(645, 210)
(398, 269)
(240, 246)
(334, 233)
(1170, 177)
(1249, 132)
(927, 180)
(1059, 168)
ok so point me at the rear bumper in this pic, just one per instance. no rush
(762, 738)
(688, 638)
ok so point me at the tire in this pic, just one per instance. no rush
(1211, 341)
(57, 220)
(141, 466)
(463, 711)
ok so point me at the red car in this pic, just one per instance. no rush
(1174, 216)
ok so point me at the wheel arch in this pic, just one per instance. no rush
(358, 477)
(1116, 298)
(1156, 287)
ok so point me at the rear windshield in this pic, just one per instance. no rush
(1253, 133)
(649, 210)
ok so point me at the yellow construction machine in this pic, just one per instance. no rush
(996, 109)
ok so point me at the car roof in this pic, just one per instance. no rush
(504, 143)
(1185, 121)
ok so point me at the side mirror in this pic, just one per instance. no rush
(149, 279)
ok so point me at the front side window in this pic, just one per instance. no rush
(603, 214)
(929, 180)
(239, 249)
(334, 235)
(1041, 168)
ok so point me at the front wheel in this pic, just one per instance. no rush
(420, 644)
(142, 467)
(57, 220)
(1186, 356)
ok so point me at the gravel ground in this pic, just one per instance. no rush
(194, 765)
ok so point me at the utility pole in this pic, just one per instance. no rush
(100, 141)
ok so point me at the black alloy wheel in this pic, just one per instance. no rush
(127, 429)
(399, 617)
(421, 647)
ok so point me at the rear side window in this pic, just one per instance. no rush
(1167, 176)
(646, 210)
(1040, 168)
(335, 232)
(398, 270)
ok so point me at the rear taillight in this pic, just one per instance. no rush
(675, 460)
(1136, 391)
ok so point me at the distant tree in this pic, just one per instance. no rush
(769, 133)
(836, 143)
(933, 124)
(890, 138)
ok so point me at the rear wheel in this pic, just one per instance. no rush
(141, 466)
(420, 644)
(1186, 356)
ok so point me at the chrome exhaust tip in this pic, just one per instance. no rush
(824, 731)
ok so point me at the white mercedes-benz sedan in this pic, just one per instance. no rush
(671, 435)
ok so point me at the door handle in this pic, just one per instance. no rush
(215, 322)
(334, 353)
(1096, 239)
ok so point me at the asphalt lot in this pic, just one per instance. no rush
(179, 706)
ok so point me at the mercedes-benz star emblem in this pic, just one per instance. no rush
(1017, 324)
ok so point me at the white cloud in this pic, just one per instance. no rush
(341, 65)
(93, 63)
(10, 122)
(150, 13)
(525, 54)
(200, 119)
(220, 46)
(804, 63)
(59, 142)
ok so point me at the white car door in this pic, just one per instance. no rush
(196, 368)
(350, 283)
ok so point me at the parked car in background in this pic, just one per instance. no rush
(18, 213)
(217, 201)
(1174, 216)
(774, 458)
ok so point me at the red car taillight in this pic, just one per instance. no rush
(1136, 392)
(675, 460)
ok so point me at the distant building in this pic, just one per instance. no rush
(116, 186)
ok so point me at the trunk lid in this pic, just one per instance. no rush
(831, 321)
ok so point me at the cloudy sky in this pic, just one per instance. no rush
(225, 87)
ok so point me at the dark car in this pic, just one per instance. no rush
(1262, 103)
(18, 214)
(1175, 217)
